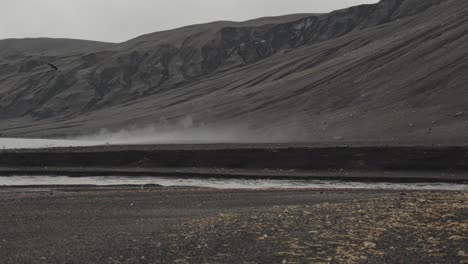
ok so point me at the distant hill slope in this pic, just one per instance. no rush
(394, 72)
(47, 47)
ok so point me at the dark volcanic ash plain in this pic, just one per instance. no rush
(393, 72)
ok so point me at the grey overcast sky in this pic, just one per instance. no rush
(120, 20)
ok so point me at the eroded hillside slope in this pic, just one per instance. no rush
(394, 72)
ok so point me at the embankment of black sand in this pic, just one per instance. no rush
(369, 163)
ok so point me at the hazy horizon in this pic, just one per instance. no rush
(121, 20)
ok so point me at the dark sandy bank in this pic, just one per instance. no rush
(370, 163)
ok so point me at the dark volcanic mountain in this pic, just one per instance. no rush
(395, 72)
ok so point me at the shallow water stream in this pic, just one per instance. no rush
(222, 183)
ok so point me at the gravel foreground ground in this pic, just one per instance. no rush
(169, 225)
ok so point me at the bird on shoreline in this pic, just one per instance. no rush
(53, 66)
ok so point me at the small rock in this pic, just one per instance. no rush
(459, 114)
(369, 244)
(457, 238)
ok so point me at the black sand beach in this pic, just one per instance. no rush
(155, 224)
(180, 225)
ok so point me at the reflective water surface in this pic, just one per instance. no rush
(222, 183)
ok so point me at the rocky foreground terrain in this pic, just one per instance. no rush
(166, 225)
(395, 71)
